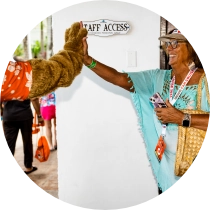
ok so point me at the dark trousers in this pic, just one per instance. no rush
(11, 129)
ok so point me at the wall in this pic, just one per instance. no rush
(102, 161)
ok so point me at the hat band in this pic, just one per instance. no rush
(176, 31)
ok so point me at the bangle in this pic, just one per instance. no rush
(190, 119)
(93, 64)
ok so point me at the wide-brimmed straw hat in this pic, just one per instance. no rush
(176, 34)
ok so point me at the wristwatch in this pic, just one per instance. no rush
(186, 120)
(39, 116)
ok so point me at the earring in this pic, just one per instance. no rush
(191, 65)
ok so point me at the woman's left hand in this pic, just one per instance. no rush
(169, 114)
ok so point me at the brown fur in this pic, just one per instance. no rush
(61, 69)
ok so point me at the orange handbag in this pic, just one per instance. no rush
(43, 151)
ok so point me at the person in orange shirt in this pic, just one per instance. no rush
(18, 116)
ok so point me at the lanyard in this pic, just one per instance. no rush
(181, 88)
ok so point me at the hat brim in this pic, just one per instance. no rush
(168, 37)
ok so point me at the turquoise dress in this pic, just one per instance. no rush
(146, 83)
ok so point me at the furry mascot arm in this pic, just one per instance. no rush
(61, 69)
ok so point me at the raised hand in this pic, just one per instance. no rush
(87, 59)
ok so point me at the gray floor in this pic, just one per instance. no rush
(46, 175)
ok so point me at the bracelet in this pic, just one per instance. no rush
(190, 119)
(93, 64)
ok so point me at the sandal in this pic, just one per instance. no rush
(33, 169)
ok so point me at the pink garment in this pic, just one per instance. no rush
(48, 112)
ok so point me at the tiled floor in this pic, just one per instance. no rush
(46, 175)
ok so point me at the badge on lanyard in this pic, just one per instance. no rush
(160, 148)
(161, 145)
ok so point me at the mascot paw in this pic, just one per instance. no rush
(74, 36)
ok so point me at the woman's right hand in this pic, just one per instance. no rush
(87, 59)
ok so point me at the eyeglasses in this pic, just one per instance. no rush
(173, 44)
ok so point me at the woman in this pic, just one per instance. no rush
(153, 121)
(38, 77)
(48, 112)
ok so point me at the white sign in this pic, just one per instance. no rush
(106, 27)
